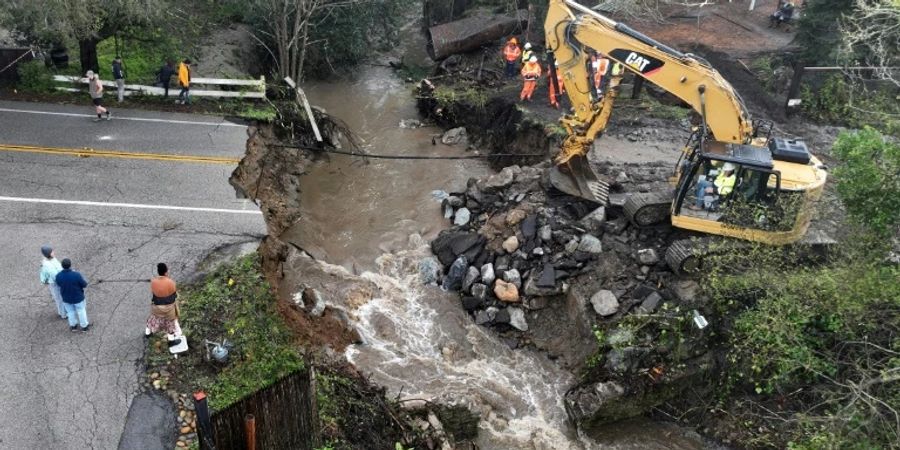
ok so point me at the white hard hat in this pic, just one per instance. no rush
(528, 46)
(90, 74)
(532, 59)
(728, 166)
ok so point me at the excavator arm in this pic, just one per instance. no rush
(573, 31)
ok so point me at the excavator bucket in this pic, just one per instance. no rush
(576, 178)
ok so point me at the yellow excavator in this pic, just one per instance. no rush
(777, 180)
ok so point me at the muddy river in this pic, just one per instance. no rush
(371, 222)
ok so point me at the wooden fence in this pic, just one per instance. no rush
(285, 416)
(255, 89)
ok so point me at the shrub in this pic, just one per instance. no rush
(869, 179)
(35, 77)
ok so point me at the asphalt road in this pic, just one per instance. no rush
(115, 218)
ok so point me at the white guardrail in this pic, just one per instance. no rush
(249, 88)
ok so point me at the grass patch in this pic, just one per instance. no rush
(234, 302)
(262, 112)
(448, 96)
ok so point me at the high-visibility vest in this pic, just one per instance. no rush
(511, 52)
(526, 55)
(725, 184)
(531, 71)
(616, 69)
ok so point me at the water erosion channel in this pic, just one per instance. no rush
(370, 223)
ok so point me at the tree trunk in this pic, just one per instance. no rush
(88, 51)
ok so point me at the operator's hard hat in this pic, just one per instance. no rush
(528, 46)
(729, 166)
(532, 59)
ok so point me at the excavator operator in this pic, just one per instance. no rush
(720, 188)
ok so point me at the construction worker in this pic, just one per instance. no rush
(599, 66)
(718, 189)
(527, 54)
(531, 71)
(511, 54)
(554, 98)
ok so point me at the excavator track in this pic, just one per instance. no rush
(647, 209)
(685, 256)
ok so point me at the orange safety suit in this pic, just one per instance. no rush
(511, 52)
(530, 72)
(554, 101)
(600, 68)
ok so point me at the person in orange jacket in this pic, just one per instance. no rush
(511, 53)
(530, 73)
(599, 66)
(184, 79)
(554, 98)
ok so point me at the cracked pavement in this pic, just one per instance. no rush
(62, 389)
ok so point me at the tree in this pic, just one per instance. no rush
(871, 35)
(52, 22)
(869, 179)
(818, 32)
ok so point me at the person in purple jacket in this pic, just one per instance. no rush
(71, 287)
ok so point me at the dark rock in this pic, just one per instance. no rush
(455, 201)
(453, 280)
(454, 136)
(548, 277)
(502, 316)
(624, 360)
(471, 277)
(595, 220)
(583, 257)
(484, 316)
(471, 303)
(314, 301)
(532, 289)
(616, 226)
(450, 245)
(529, 227)
(650, 303)
(473, 191)
(642, 291)
(501, 264)
(513, 276)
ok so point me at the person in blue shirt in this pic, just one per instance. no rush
(71, 286)
(50, 266)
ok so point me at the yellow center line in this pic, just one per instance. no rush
(90, 152)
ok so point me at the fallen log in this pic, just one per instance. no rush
(471, 33)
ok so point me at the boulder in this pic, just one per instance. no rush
(454, 136)
(487, 274)
(595, 220)
(479, 291)
(590, 244)
(511, 244)
(500, 180)
(532, 289)
(647, 256)
(450, 245)
(548, 277)
(429, 270)
(513, 276)
(605, 303)
(506, 292)
(529, 227)
(517, 318)
(462, 216)
(471, 303)
(410, 123)
(471, 277)
(454, 279)
(314, 301)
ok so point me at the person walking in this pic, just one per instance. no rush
(530, 73)
(164, 77)
(71, 287)
(119, 75)
(511, 53)
(554, 98)
(95, 88)
(50, 267)
(599, 66)
(184, 80)
(164, 306)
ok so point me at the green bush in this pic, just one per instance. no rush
(868, 181)
(35, 77)
(838, 101)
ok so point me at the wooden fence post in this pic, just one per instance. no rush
(204, 424)
(250, 431)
